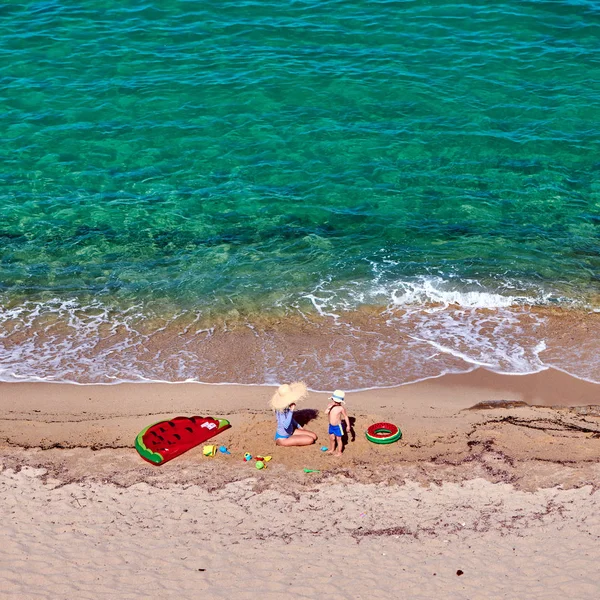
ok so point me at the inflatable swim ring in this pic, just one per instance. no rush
(383, 433)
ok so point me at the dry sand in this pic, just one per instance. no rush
(506, 495)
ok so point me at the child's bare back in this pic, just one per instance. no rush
(335, 414)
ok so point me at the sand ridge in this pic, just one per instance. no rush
(341, 538)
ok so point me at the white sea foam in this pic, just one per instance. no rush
(329, 297)
(453, 352)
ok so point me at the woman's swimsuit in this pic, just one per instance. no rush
(286, 424)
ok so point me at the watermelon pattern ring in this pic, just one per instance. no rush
(383, 433)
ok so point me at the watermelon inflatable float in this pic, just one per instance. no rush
(163, 441)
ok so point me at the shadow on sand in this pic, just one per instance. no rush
(305, 415)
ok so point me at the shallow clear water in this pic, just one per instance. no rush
(288, 158)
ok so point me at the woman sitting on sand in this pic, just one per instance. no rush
(283, 402)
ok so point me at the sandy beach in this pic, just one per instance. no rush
(202, 201)
(491, 493)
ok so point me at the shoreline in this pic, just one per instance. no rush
(548, 387)
(444, 376)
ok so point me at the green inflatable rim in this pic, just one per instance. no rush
(145, 452)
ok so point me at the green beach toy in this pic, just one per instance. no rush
(311, 470)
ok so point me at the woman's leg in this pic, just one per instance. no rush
(307, 432)
(296, 439)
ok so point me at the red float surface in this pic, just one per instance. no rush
(390, 430)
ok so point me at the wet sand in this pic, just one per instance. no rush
(495, 476)
(370, 347)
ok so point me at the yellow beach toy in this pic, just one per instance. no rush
(209, 450)
(263, 458)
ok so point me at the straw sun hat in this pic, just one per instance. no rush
(287, 394)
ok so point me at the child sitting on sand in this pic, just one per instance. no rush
(337, 411)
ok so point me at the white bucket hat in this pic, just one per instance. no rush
(287, 394)
(338, 396)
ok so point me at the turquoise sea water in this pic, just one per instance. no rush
(197, 158)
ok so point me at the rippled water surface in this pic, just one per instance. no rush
(176, 162)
